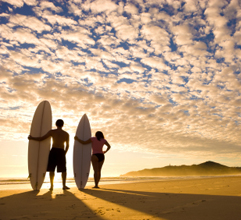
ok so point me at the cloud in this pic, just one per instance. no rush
(102, 54)
(136, 67)
(16, 3)
(29, 22)
(57, 19)
(79, 36)
(166, 72)
(5, 75)
(100, 6)
(49, 5)
(126, 32)
(130, 8)
(145, 18)
(49, 43)
(191, 6)
(155, 62)
(23, 35)
(25, 59)
(159, 99)
(183, 34)
(218, 21)
(31, 2)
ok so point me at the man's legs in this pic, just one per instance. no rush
(64, 174)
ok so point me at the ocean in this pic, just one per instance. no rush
(24, 183)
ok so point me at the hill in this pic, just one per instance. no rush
(206, 168)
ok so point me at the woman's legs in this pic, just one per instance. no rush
(97, 169)
(51, 176)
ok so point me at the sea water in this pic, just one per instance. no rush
(24, 183)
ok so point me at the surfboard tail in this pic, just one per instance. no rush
(36, 185)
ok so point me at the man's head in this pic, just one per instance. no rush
(59, 123)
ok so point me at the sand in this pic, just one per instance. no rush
(192, 199)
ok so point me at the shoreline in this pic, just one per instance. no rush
(24, 183)
(217, 198)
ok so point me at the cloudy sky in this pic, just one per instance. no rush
(160, 78)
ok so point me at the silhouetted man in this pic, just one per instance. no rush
(57, 152)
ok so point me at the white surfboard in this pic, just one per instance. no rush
(82, 153)
(38, 151)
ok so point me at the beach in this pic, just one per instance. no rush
(216, 198)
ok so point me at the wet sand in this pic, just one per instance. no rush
(192, 199)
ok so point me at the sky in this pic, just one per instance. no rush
(160, 78)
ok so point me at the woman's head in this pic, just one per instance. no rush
(99, 135)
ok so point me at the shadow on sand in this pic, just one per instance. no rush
(171, 206)
(43, 204)
(112, 203)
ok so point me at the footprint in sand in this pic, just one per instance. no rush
(100, 211)
(71, 207)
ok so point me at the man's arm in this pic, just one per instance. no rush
(67, 144)
(49, 134)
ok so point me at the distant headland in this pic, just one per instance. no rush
(206, 168)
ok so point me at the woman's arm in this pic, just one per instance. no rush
(40, 138)
(81, 141)
(108, 147)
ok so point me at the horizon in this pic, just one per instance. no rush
(161, 79)
(59, 179)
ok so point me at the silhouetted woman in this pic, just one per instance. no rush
(98, 156)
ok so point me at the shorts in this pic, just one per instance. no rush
(57, 158)
(100, 157)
